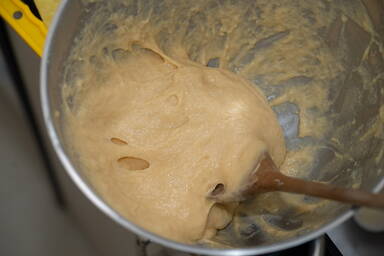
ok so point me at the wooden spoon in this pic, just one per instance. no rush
(268, 178)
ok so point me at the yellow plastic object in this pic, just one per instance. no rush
(47, 9)
(21, 19)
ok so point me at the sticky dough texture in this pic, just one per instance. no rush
(157, 135)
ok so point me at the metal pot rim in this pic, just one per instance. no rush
(108, 210)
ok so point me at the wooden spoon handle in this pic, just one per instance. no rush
(268, 178)
(275, 181)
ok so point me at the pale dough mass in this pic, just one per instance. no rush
(158, 135)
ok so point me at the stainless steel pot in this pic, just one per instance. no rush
(356, 97)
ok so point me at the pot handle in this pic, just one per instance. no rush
(318, 248)
(21, 19)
